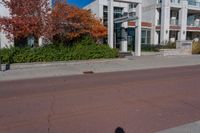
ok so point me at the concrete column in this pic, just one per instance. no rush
(165, 21)
(124, 41)
(138, 30)
(40, 41)
(183, 20)
(100, 11)
(110, 22)
(154, 34)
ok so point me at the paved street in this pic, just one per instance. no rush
(142, 101)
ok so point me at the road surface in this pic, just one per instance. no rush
(144, 101)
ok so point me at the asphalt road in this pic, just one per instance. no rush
(143, 101)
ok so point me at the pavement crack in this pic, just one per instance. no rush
(191, 105)
(51, 114)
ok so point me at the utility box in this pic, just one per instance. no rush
(182, 48)
(185, 47)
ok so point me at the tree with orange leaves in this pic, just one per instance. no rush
(68, 23)
(27, 18)
(63, 23)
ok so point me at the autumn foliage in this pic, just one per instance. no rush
(27, 18)
(69, 23)
(62, 22)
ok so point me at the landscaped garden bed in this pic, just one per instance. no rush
(83, 50)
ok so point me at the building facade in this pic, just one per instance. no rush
(4, 12)
(172, 20)
(162, 20)
(127, 35)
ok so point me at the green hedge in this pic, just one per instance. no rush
(156, 48)
(56, 52)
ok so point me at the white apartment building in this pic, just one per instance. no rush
(162, 20)
(125, 33)
(172, 19)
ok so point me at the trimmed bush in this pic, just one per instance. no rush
(196, 48)
(156, 48)
(83, 50)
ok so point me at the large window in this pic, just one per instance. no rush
(117, 13)
(117, 27)
(146, 36)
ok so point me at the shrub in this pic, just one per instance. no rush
(168, 45)
(147, 48)
(156, 48)
(83, 50)
(196, 47)
(150, 48)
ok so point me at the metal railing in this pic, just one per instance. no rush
(193, 3)
(193, 25)
(175, 1)
(190, 2)
(172, 1)
(174, 22)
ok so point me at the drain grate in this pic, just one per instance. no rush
(88, 72)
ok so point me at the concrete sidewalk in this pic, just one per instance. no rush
(187, 128)
(39, 70)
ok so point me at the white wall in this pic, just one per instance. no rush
(4, 12)
(93, 7)
(96, 7)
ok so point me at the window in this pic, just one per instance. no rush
(146, 36)
(132, 5)
(117, 13)
(143, 39)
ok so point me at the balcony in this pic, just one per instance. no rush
(174, 21)
(172, 1)
(174, 24)
(194, 3)
(175, 1)
(195, 23)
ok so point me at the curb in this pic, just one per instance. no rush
(58, 63)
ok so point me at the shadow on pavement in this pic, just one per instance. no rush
(119, 130)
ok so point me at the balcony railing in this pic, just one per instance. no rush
(194, 3)
(175, 1)
(194, 24)
(174, 22)
(172, 1)
(190, 2)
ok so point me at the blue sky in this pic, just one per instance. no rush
(79, 3)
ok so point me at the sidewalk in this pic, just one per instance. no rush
(39, 70)
(187, 128)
